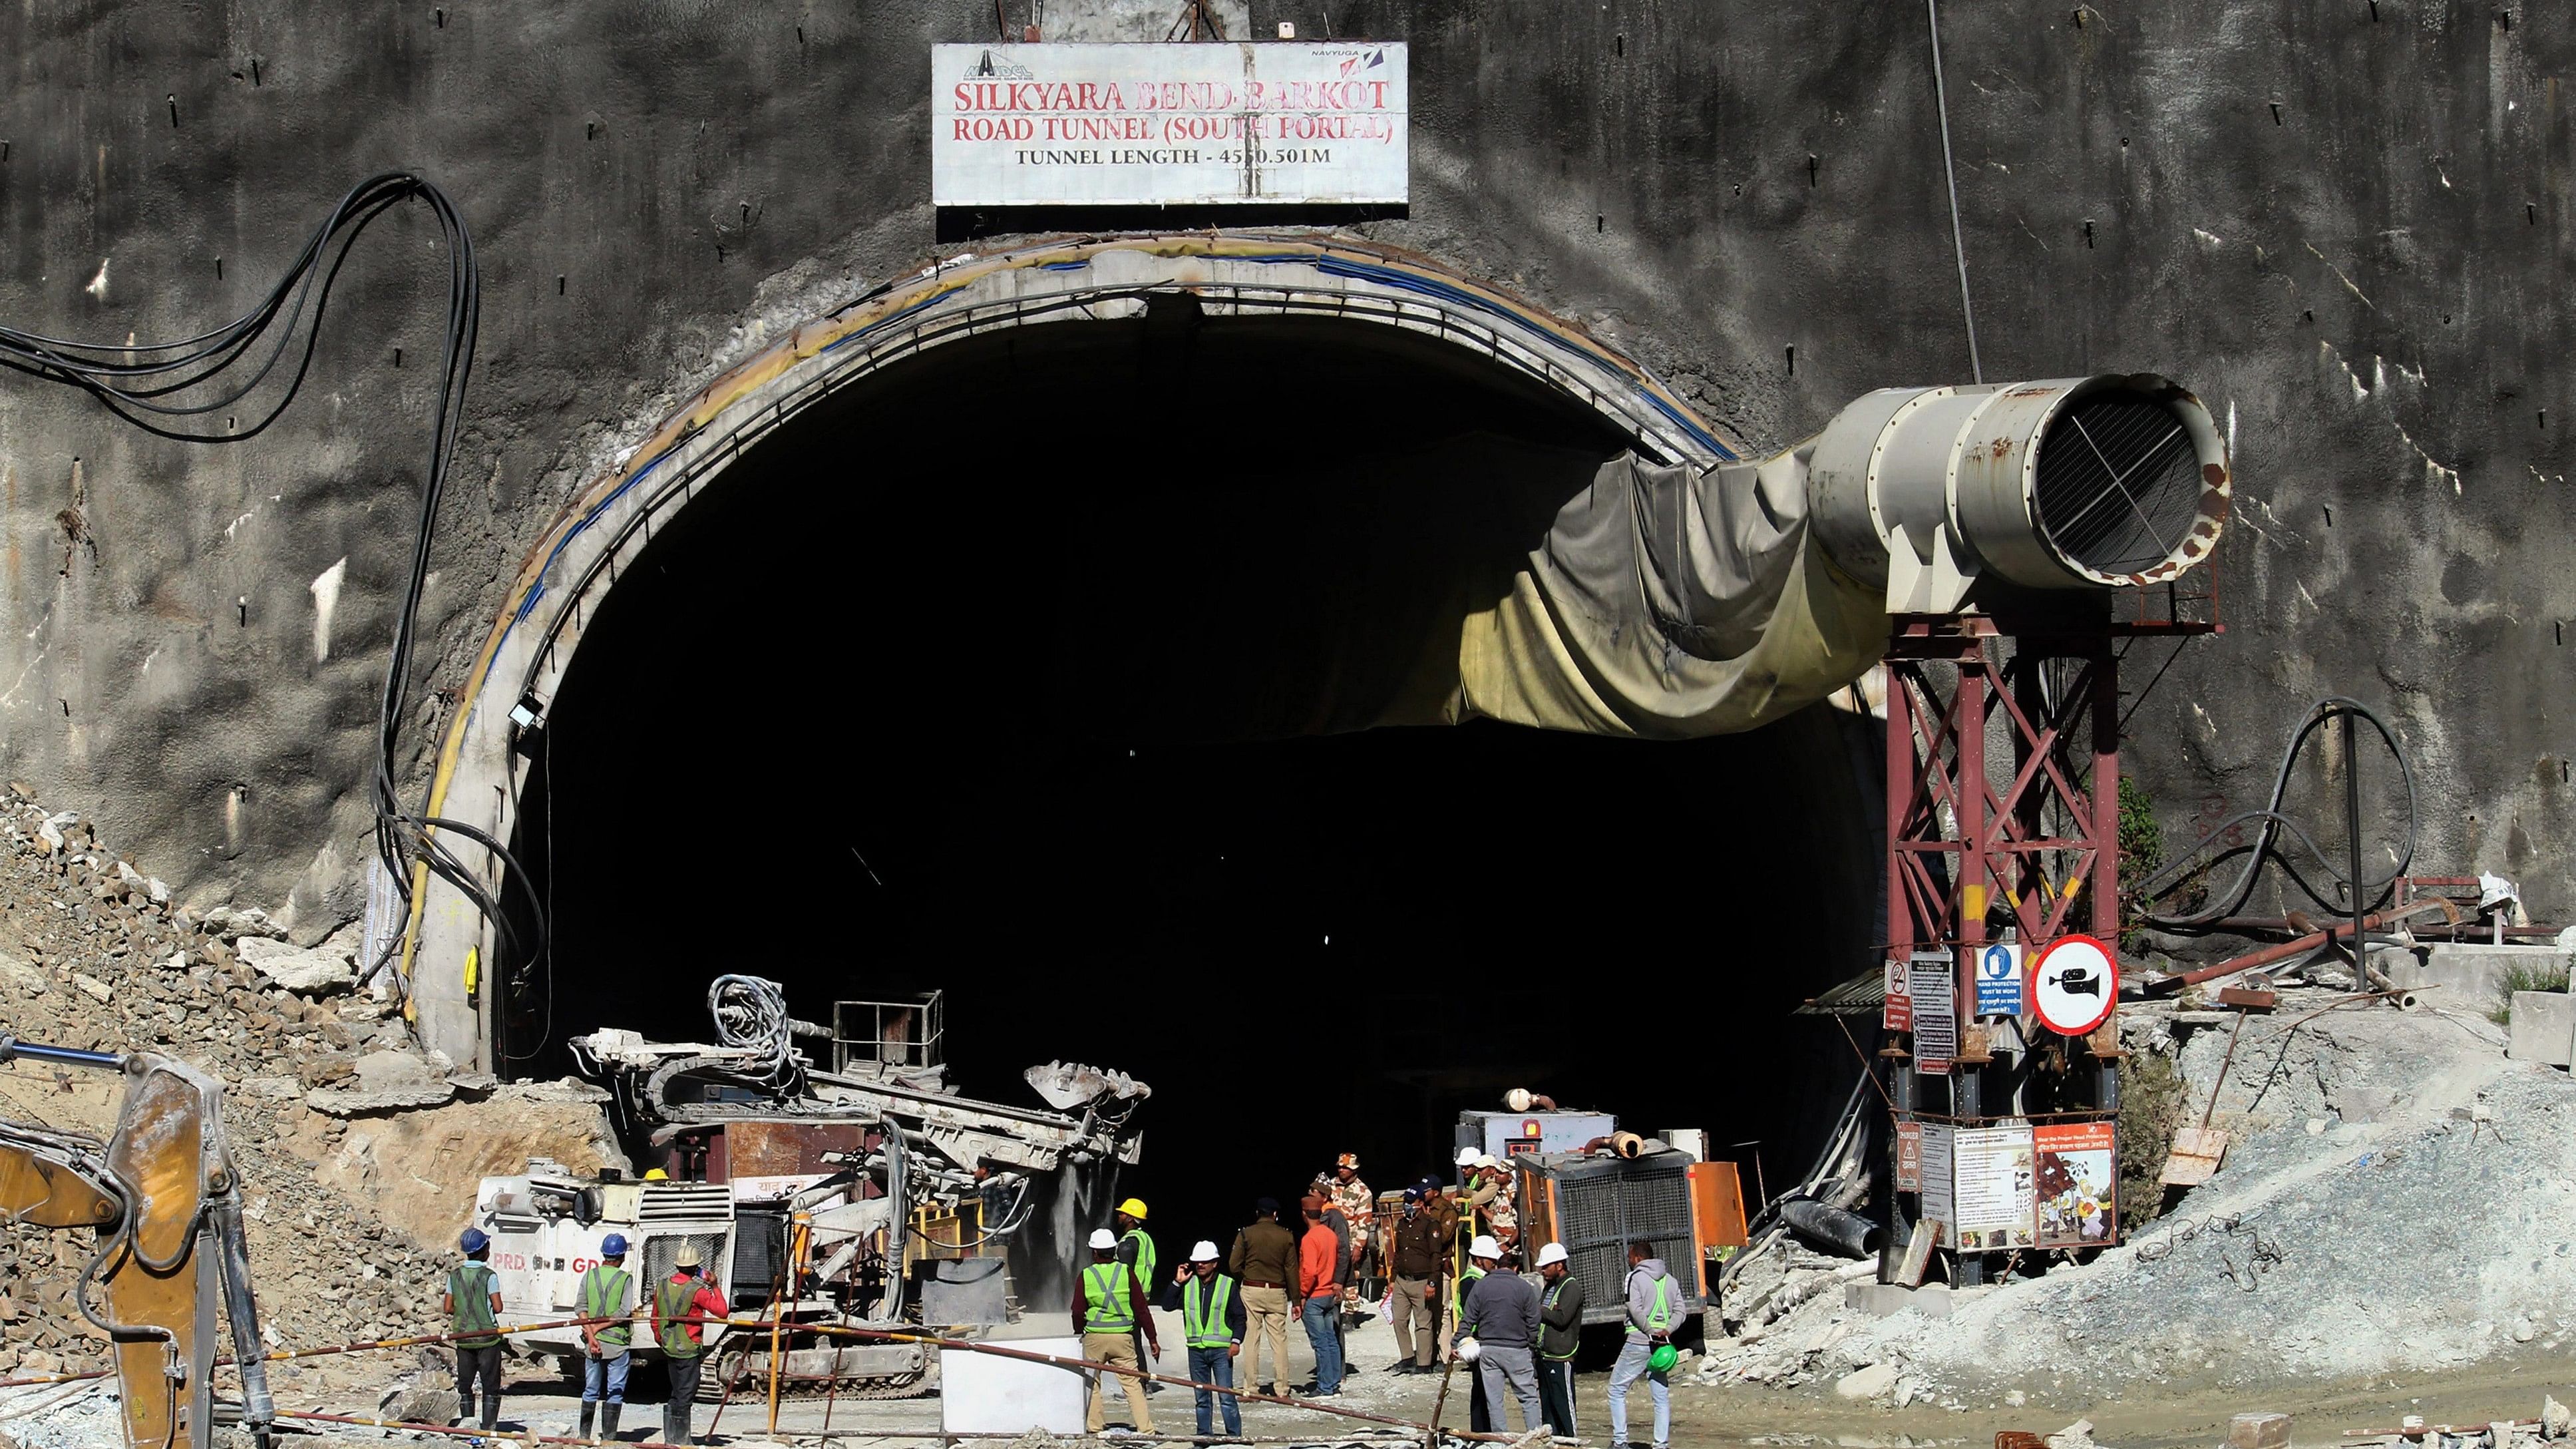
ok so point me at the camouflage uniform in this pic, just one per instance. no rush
(1358, 1204)
(1502, 1215)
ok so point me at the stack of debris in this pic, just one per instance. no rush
(2356, 1130)
(95, 955)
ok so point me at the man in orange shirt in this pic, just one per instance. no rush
(1319, 1288)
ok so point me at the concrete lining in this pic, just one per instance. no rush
(532, 642)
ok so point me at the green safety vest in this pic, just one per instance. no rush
(671, 1302)
(1144, 1254)
(469, 1288)
(1104, 1289)
(1203, 1313)
(603, 1295)
(1659, 1317)
(1554, 1289)
(1458, 1295)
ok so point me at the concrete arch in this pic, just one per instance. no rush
(540, 628)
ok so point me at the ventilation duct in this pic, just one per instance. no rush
(2072, 483)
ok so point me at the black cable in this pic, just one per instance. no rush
(159, 387)
(2229, 901)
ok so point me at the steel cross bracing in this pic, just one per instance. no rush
(1971, 837)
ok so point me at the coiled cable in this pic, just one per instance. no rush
(2227, 902)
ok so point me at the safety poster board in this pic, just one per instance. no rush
(1935, 1173)
(1932, 981)
(1977, 1182)
(1994, 1178)
(2077, 1178)
(1998, 975)
(1899, 1014)
(1909, 1157)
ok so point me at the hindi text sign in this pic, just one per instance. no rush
(1933, 984)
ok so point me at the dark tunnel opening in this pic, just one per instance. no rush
(1036, 671)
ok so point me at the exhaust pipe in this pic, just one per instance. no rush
(1822, 1225)
(1939, 494)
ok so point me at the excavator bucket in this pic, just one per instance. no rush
(162, 1196)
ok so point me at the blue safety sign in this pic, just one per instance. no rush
(1999, 990)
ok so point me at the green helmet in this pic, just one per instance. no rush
(1663, 1358)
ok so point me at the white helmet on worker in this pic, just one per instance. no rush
(687, 1256)
(1104, 1240)
(1205, 1252)
(1551, 1253)
(1485, 1247)
(1466, 1157)
(1487, 1159)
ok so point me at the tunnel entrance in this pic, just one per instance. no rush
(1037, 670)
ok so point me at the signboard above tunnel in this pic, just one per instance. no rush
(1168, 125)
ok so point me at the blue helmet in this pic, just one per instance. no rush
(613, 1246)
(474, 1240)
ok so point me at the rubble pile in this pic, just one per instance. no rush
(94, 955)
(2392, 1202)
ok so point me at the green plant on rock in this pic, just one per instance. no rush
(2142, 854)
(2152, 1098)
(2523, 976)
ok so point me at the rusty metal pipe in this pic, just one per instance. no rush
(2341, 931)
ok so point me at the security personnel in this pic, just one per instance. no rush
(472, 1304)
(681, 1305)
(1346, 1190)
(1136, 1250)
(1108, 1310)
(607, 1291)
(1212, 1321)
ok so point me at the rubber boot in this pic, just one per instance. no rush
(608, 1421)
(587, 1413)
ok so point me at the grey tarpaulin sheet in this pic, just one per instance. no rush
(1669, 603)
(1476, 575)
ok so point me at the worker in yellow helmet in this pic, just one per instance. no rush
(1136, 1250)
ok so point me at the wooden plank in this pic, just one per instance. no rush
(2197, 1153)
(2247, 998)
(1918, 1254)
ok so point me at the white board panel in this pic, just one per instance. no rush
(1167, 125)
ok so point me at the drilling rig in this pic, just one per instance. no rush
(870, 1195)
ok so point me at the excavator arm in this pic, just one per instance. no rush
(163, 1199)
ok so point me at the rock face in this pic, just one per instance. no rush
(2276, 306)
(317, 972)
(337, 1211)
(420, 1167)
(383, 1081)
(1868, 1382)
(418, 1403)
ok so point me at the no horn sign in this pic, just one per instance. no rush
(2074, 985)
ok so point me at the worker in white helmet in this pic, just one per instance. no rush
(1108, 1308)
(1560, 1319)
(1502, 1315)
(1210, 1303)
